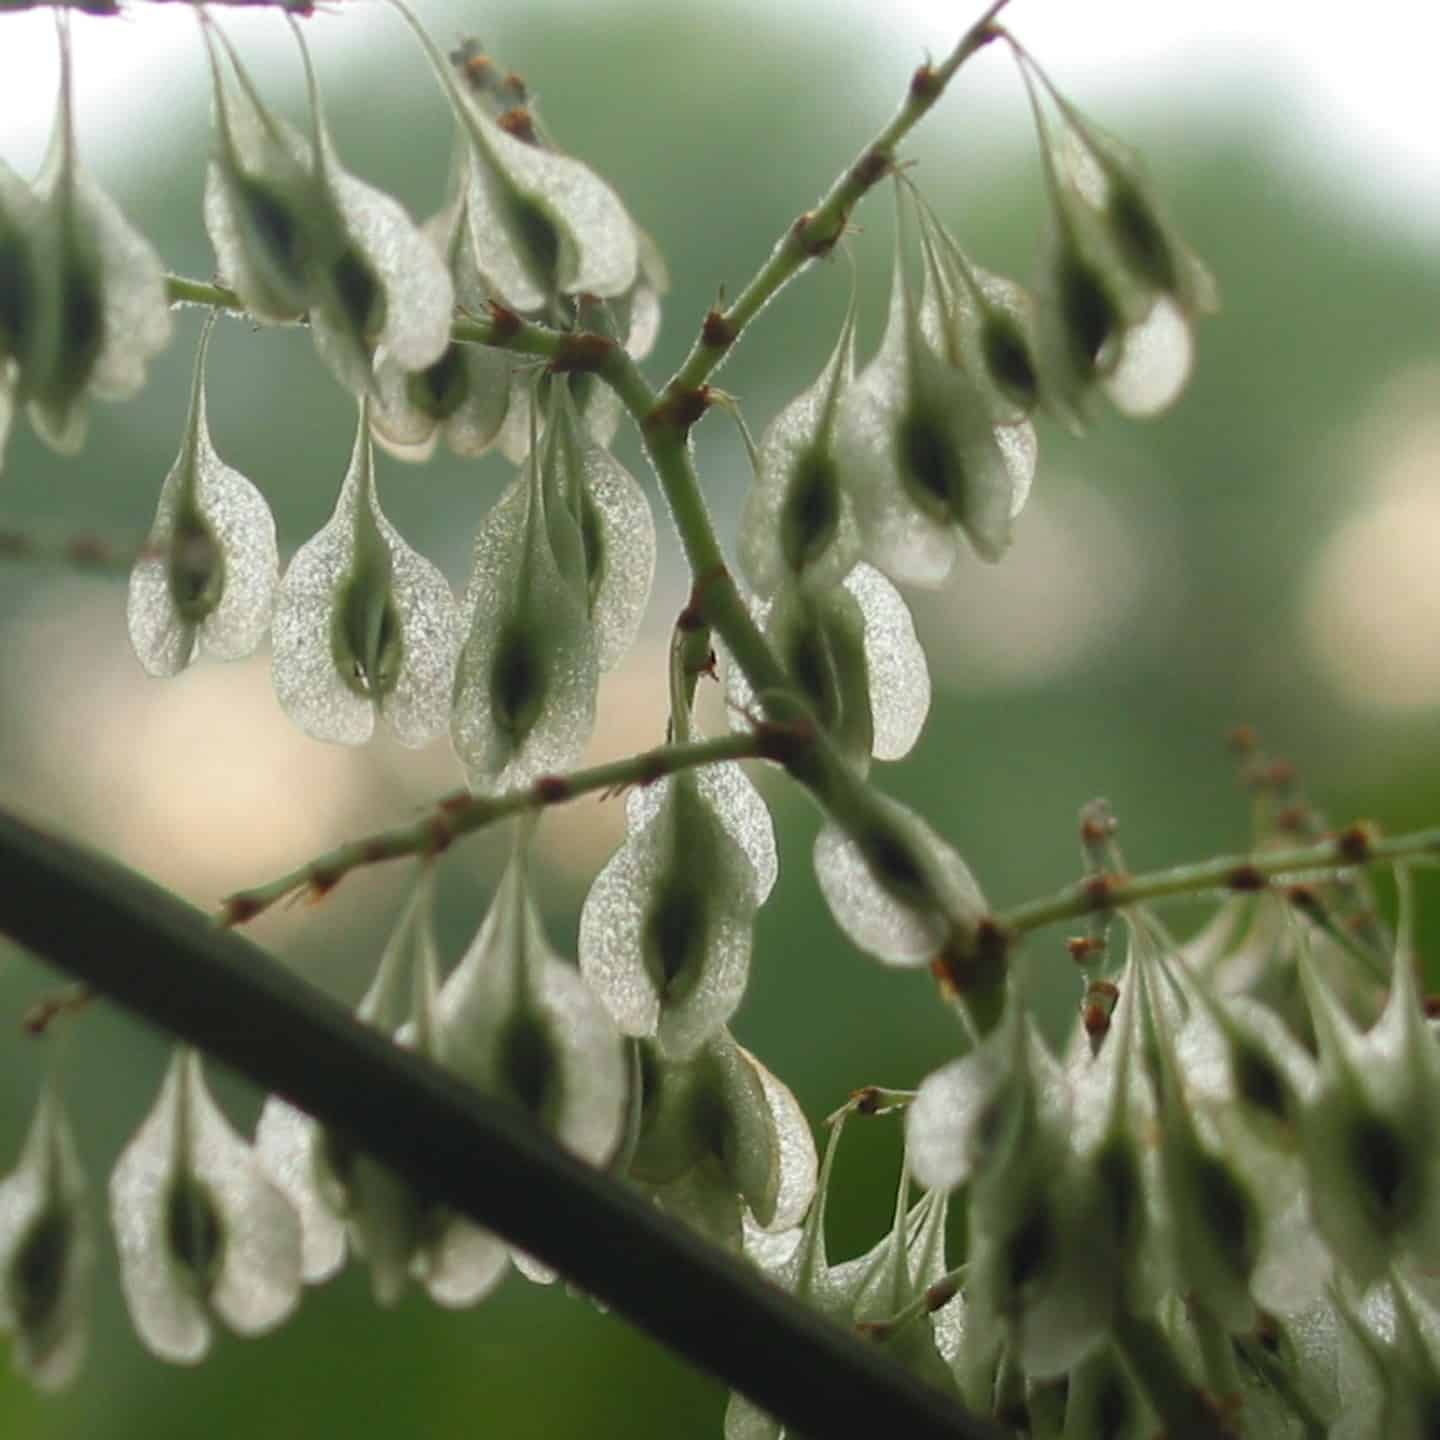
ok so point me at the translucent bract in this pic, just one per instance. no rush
(200, 1231)
(366, 629)
(85, 306)
(667, 928)
(206, 578)
(920, 456)
(798, 524)
(894, 921)
(47, 1251)
(521, 1024)
(525, 686)
(295, 233)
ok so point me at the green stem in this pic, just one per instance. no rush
(1184, 1411)
(463, 814)
(815, 233)
(215, 990)
(1240, 873)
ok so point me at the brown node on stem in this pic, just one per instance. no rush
(1242, 739)
(506, 322)
(39, 1017)
(1305, 900)
(717, 333)
(1355, 844)
(968, 963)
(680, 408)
(441, 834)
(238, 909)
(520, 123)
(321, 882)
(817, 246)
(551, 789)
(872, 167)
(1099, 890)
(925, 83)
(1247, 878)
(866, 1099)
(1431, 1004)
(1085, 948)
(581, 354)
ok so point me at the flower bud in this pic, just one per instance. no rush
(47, 1251)
(201, 1232)
(365, 628)
(207, 576)
(525, 686)
(666, 932)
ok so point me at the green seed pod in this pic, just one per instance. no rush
(201, 1232)
(364, 626)
(47, 1251)
(206, 579)
(666, 931)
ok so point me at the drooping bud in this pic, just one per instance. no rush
(94, 310)
(798, 525)
(666, 932)
(852, 652)
(525, 686)
(899, 891)
(921, 457)
(47, 1251)
(201, 1232)
(365, 627)
(294, 232)
(521, 1024)
(206, 579)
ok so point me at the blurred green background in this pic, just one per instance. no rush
(1264, 553)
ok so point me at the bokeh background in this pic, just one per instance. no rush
(1264, 553)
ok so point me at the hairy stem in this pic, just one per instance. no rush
(93, 918)
(464, 813)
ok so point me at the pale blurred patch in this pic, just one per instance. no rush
(199, 781)
(1068, 589)
(1371, 610)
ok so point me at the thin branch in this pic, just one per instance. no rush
(114, 7)
(464, 813)
(1351, 848)
(142, 947)
(815, 233)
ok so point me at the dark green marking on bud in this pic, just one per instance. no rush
(37, 1276)
(528, 1067)
(17, 292)
(194, 1232)
(893, 864)
(1378, 1157)
(518, 681)
(361, 295)
(1030, 1247)
(82, 331)
(1258, 1081)
(1227, 1208)
(367, 640)
(929, 465)
(1113, 1408)
(197, 567)
(1117, 1176)
(810, 662)
(439, 390)
(275, 226)
(1139, 234)
(1008, 359)
(810, 515)
(1090, 316)
(673, 937)
(537, 238)
(594, 548)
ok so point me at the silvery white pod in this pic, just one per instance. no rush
(99, 309)
(47, 1251)
(541, 224)
(206, 578)
(202, 1234)
(366, 629)
(852, 651)
(920, 457)
(667, 928)
(295, 233)
(523, 704)
(798, 525)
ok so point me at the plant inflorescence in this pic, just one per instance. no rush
(1214, 1211)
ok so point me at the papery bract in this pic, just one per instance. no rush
(207, 576)
(201, 1232)
(365, 628)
